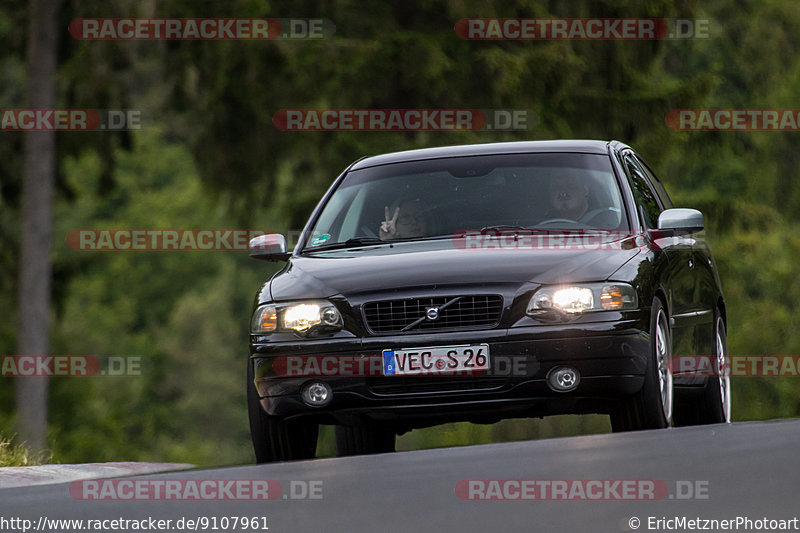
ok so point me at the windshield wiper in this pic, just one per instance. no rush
(505, 226)
(425, 238)
(349, 243)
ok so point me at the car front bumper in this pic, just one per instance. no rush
(611, 358)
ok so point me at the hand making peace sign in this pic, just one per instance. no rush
(389, 226)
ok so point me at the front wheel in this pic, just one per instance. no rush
(276, 439)
(713, 405)
(651, 407)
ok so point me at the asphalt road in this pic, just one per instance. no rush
(740, 470)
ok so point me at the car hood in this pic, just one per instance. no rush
(421, 265)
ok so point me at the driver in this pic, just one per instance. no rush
(405, 220)
(569, 197)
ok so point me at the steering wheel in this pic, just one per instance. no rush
(368, 231)
(557, 221)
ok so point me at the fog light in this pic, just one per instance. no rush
(563, 378)
(317, 394)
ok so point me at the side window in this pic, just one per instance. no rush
(661, 192)
(645, 198)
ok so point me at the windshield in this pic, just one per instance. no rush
(442, 197)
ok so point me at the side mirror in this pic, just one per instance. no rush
(681, 221)
(271, 247)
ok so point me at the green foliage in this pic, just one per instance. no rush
(16, 454)
(185, 313)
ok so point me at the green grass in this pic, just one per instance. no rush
(16, 454)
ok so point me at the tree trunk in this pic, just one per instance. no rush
(35, 271)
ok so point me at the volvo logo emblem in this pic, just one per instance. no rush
(432, 313)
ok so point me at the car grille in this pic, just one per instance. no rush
(393, 385)
(455, 312)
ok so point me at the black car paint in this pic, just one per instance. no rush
(609, 348)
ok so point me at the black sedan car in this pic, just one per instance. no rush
(483, 282)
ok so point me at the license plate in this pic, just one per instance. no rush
(459, 360)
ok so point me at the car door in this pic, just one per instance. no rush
(677, 275)
(706, 282)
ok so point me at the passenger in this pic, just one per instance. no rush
(406, 220)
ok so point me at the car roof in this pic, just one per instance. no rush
(576, 146)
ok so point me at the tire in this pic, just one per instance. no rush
(651, 407)
(713, 405)
(275, 439)
(363, 440)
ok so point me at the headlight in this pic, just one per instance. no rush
(582, 298)
(300, 318)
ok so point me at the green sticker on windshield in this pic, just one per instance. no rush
(321, 239)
